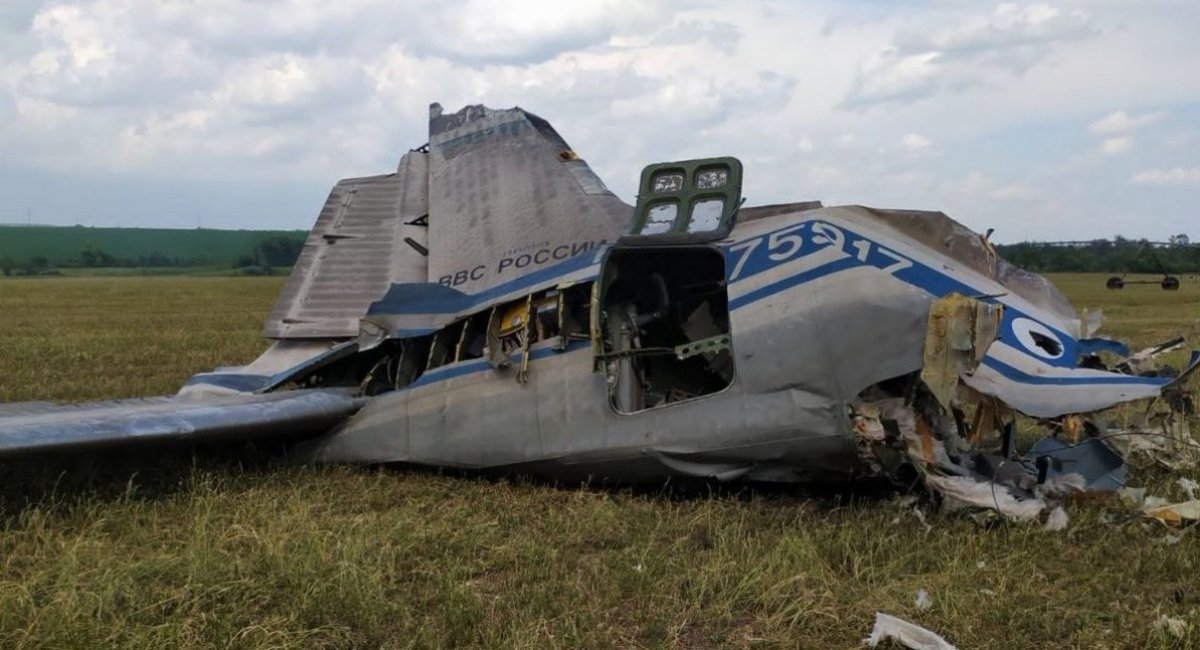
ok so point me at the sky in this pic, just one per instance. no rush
(1045, 121)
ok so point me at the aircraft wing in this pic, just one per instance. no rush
(30, 428)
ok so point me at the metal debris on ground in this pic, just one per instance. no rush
(910, 635)
(1176, 627)
(1176, 514)
(1157, 508)
(951, 431)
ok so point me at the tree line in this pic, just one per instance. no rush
(1118, 255)
(272, 252)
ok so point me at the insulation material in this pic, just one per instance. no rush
(959, 332)
(962, 491)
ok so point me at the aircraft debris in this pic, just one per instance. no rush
(1172, 625)
(959, 332)
(1176, 514)
(1142, 361)
(491, 305)
(1152, 507)
(1057, 520)
(923, 602)
(1170, 446)
(910, 635)
(1188, 486)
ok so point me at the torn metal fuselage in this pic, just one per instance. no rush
(847, 342)
(485, 305)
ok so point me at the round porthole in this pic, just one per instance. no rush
(1038, 338)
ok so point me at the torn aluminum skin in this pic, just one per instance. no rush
(487, 306)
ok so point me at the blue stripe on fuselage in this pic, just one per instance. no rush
(916, 274)
(860, 251)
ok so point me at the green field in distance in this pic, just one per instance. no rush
(63, 246)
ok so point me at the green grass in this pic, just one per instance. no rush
(234, 549)
(62, 245)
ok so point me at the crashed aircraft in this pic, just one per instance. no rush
(492, 305)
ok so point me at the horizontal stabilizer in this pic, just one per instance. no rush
(370, 234)
(37, 427)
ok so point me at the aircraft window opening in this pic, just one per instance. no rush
(665, 326)
(546, 309)
(445, 342)
(668, 181)
(473, 341)
(574, 315)
(707, 179)
(661, 218)
(706, 214)
(393, 365)
(686, 202)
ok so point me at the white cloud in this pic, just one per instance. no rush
(891, 75)
(914, 142)
(1122, 122)
(1115, 146)
(1173, 176)
(172, 93)
(979, 185)
(966, 48)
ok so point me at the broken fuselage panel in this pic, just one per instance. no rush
(491, 305)
(742, 358)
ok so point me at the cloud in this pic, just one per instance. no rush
(294, 94)
(936, 54)
(979, 185)
(1173, 176)
(1115, 146)
(527, 31)
(16, 15)
(1122, 122)
(914, 142)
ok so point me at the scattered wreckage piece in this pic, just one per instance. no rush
(921, 423)
(910, 635)
(1151, 507)
(1177, 514)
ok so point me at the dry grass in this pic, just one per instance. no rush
(234, 550)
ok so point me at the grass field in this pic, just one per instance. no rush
(235, 549)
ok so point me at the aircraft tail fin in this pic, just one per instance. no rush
(510, 197)
(495, 196)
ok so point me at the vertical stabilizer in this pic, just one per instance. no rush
(509, 197)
